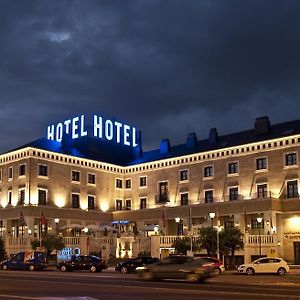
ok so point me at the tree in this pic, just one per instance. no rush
(3, 254)
(207, 240)
(182, 245)
(50, 242)
(231, 240)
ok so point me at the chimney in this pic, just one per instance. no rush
(262, 125)
(191, 140)
(164, 146)
(213, 136)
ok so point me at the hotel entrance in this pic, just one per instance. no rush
(297, 252)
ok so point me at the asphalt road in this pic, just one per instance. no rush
(115, 286)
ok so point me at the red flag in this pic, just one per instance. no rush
(22, 219)
(43, 220)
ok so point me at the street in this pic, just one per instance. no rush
(113, 285)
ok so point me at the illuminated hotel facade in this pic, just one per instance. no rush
(248, 179)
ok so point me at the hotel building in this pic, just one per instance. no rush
(248, 179)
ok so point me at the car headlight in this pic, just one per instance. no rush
(141, 268)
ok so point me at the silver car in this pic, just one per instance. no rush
(177, 267)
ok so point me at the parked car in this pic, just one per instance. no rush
(26, 260)
(83, 262)
(214, 263)
(177, 267)
(265, 265)
(130, 265)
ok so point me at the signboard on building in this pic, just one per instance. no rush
(97, 127)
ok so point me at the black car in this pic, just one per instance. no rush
(83, 262)
(130, 265)
(177, 267)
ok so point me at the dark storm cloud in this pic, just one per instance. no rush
(169, 67)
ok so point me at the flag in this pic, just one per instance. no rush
(22, 219)
(43, 219)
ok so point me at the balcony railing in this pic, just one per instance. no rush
(261, 239)
(261, 195)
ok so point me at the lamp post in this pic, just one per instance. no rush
(56, 220)
(212, 216)
(259, 220)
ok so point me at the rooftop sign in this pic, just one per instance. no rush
(104, 129)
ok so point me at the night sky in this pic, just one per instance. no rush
(167, 67)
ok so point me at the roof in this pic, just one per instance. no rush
(94, 149)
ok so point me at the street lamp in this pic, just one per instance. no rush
(212, 216)
(56, 220)
(259, 220)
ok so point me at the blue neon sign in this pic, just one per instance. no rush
(104, 129)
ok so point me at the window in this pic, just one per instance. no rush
(262, 190)
(21, 196)
(128, 183)
(184, 175)
(143, 181)
(91, 178)
(42, 196)
(163, 193)
(184, 199)
(257, 225)
(233, 193)
(208, 171)
(0, 175)
(43, 170)
(118, 204)
(91, 202)
(292, 188)
(75, 200)
(128, 204)
(232, 168)
(9, 196)
(229, 224)
(209, 196)
(119, 184)
(143, 203)
(261, 163)
(22, 170)
(75, 176)
(290, 159)
(10, 173)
